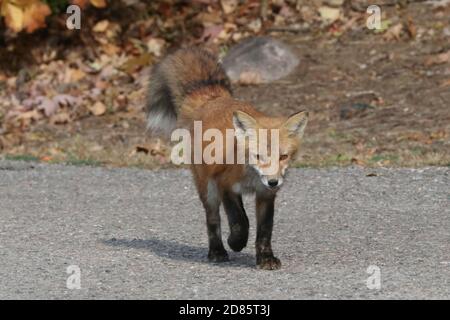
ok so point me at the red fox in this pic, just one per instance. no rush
(190, 85)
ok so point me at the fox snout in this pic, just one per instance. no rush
(272, 182)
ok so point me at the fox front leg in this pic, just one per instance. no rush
(265, 259)
(237, 219)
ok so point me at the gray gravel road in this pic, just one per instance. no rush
(139, 234)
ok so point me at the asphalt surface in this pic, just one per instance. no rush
(137, 234)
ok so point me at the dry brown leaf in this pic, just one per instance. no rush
(446, 83)
(34, 16)
(101, 26)
(98, 108)
(135, 63)
(411, 27)
(394, 32)
(255, 25)
(26, 118)
(208, 18)
(250, 77)
(438, 59)
(155, 46)
(60, 118)
(357, 162)
(81, 3)
(24, 14)
(98, 3)
(329, 14)
(439, 135)
(73, 75)
(228, 6)
(48, 106)
(111, 49)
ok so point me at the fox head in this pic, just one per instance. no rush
(271, 143)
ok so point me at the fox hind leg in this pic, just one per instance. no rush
(211, 203)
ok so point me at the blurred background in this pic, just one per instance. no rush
(377, 97)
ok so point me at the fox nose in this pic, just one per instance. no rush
(273, 182)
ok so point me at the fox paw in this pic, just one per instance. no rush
(218, 256)
(238, 238)
(269, 263)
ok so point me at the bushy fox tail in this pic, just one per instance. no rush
(179, 85)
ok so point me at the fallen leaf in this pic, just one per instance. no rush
(439, 135)
(25, 14)
(14, 16)
(412, 30)
(101, 26)
(98, 3)
(34, 16)
(155, 46)
(60, 118)
(438, 59)
(445, 83)
(73, 75)
(226, 32)
(138, 62)
(25, 118)
(329, 14)
(394, 32)
(111, 49)
(81, 3)
(358, 162)
(49, 106)
(250, 77)
(97, 109)
(66, 100)
(228, 6)
(208, 18)
(255, 25)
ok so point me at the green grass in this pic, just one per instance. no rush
(21, 157)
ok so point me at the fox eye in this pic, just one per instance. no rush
(283, 157)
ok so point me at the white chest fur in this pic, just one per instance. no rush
(250, 183)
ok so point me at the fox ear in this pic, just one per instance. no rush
(296, 124)
(243, 122)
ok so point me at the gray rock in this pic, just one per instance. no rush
(269, 58)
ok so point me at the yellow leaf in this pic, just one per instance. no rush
(20, 14)
(13, 16)
(101, 26)
(34, 16)
(99, 3)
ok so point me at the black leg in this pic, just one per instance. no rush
(237, 219)
(211, 203)
(264, 225)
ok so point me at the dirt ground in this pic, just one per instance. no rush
(373, 101)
